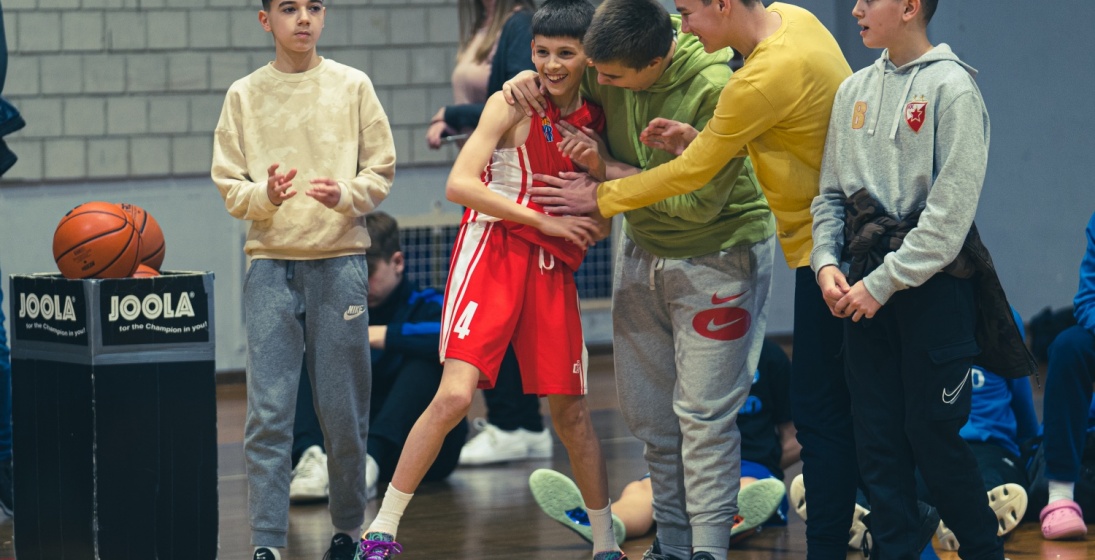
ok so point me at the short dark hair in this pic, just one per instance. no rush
(928, 8)
(562, 18)
(384, 233)
(631, 32)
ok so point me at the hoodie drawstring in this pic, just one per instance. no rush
(880, 64)
(656, 266)
(900, 116)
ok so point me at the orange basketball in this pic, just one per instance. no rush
(96, 240)
(145, 271)
(153, 247)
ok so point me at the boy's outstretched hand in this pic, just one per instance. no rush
(585, 148)
(326, 191)
(579, 230)
(669, 135)
(278, 185)
(524, 90)
(572, 194)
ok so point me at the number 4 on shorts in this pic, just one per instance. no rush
(464, 321)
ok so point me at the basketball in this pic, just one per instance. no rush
(96, 240)
(145, 271)
(153, 247)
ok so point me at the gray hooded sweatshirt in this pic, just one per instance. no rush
(916, 137)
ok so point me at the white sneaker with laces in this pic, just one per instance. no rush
(494, 445)
(309, 482)
(539, 443)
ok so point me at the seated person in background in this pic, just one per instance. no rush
(768, 445)
(1069, 380)
(404, 330)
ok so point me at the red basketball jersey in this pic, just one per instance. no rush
(510, 171)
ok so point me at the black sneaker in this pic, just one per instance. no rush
(343, 547)
(929, 521)
(655, 553)
(703, 556)
(7, 503)
(263, 553)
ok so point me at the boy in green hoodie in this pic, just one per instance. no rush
(692, 274)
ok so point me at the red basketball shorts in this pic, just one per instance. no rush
(503, 289)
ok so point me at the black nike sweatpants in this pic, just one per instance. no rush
(908, 372)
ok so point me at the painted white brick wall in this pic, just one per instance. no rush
(100, 79)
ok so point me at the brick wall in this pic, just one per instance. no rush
(114, 89)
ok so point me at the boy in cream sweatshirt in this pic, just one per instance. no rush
(306, 122)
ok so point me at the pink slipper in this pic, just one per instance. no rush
(1062, 519)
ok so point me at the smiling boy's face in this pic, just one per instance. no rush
(560, 61)
(295, 24)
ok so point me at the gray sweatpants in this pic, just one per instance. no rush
(289, 306)
(687, 335)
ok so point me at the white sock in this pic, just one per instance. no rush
(276, 551)
(600, 521)
(1059, 490)
(391, 510)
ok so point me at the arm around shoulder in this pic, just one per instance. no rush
(742, 114)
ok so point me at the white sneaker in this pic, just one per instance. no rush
(857, 533)
(797, 494)
(1008, 502)
(494, 445)
(309, 483)
(372, 473)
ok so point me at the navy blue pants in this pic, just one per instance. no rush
(1067, 400)
(909, 380)
(508, 407)
(821, 409)
(396, 402)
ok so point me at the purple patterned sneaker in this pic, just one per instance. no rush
(613, 555)
(377, 546)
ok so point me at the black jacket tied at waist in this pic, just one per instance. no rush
(870, 233)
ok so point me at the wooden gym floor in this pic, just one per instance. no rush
(488, 512)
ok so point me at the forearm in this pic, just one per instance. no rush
(471, 192)
(618, 170)
(463, 116)
(243, 198)
(791, 449)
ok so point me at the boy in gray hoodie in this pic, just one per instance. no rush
(911, 131)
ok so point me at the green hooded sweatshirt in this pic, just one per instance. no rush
(728, 211)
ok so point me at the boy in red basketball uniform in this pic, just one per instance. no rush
(512, 280)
